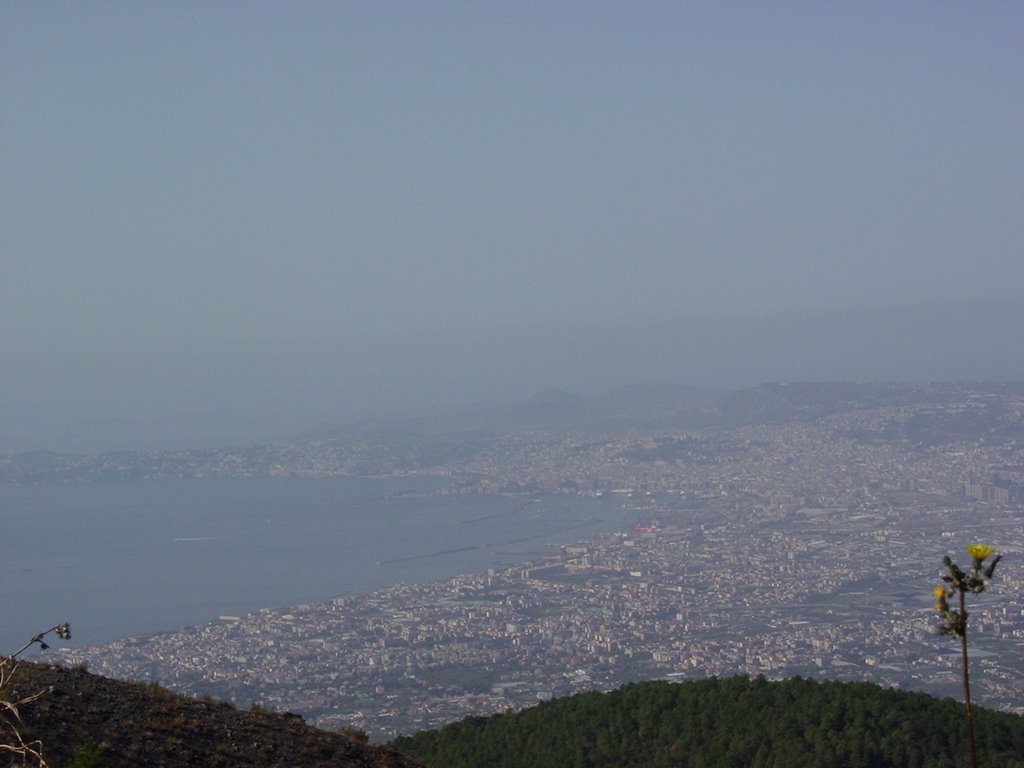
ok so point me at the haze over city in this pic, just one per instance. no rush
(231, 222)
(368, 366)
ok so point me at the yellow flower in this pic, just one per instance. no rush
(939, 592)
(979, 551)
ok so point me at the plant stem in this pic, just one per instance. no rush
(967, 684)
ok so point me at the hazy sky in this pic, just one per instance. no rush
(336, 206)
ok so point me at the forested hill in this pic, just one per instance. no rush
(730, 723)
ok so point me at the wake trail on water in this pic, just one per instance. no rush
(505, 543)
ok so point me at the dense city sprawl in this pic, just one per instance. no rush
(805, 546)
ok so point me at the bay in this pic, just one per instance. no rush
(123, 559)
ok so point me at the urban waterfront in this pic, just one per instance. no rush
(808, 546)
(120, 558)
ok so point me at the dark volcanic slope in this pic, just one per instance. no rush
(138, 724)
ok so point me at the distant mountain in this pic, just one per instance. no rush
(805, 401)
(551, 408)
(668, 406)
(636, 406)
(138, 724)
(646, 406)
(729, 723)
(659, 397)
(932, 414)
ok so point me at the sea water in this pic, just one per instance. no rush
(119, 559)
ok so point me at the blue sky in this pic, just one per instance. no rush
(184, 179)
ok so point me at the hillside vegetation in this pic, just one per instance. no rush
(83, 719)
(731, 723)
